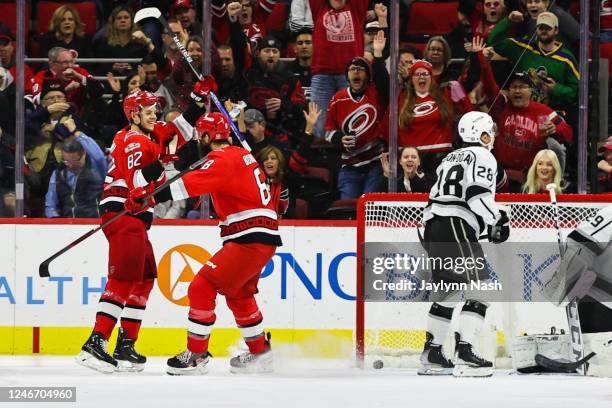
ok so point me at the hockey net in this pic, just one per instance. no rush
(395, 331)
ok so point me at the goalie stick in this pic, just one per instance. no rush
(571, 310)
(153, 12)
(43, 268)
(562, 365)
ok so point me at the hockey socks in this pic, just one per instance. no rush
(250, 322)
(438, 322)
(111, 306)
(134, 308)
(202, 295)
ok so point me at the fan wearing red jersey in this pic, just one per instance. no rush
(249, 231)
(136, 164)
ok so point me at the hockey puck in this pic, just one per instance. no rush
(378, 364)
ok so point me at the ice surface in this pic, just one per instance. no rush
(301, 383)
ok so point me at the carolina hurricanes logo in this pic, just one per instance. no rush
(360, 120)
(334, 22)
(259, 94)
(424, 109)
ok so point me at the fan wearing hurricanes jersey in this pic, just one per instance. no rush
(136, 161)
(461, 207)
(249, 231)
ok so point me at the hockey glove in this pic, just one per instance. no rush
(136, 203)
(500, 232)
(202, 89)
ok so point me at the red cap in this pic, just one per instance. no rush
(420, 63)
(606, 146)
(182, 3)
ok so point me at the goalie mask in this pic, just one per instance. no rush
(473, 125)
(215, 125)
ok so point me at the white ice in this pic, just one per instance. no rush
(301, 383)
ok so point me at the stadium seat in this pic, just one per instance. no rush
(427, 19)
(8, 15)
(342, 210)
(301, 209)
(320, 172)
(86, 9)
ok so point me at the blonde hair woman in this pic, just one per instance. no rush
(544, 170)
(66, 29)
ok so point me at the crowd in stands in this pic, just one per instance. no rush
(313, 79)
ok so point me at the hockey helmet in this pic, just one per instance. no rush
(136, 100)
(474, 124)
(215, 125)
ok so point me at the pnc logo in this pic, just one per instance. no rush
(177, 268)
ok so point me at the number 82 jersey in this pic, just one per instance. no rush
(465, 188)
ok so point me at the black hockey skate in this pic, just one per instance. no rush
(128, 359)
(433, 360)
(94, 355)
(188, 363)
(468, 363)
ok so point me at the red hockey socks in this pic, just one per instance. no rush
(110, 306)
(202, 295)
(250, 322)
(131, 318)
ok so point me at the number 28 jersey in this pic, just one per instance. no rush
(465, 188)
(239, 192)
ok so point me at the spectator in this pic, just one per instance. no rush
(438, 53)
(352, 123)
(259, 136)
(251, 15)
(78, 84)
(7, 60)
(185, 13)
(482, 16)
(605, 13)
(372, 28)
(407, 55)
(605, 167)
(300, 17)
(153, 84)
(115, 116)
(272, 161)
(412, 179)
(68, 31)
(559, 74)
(337, 38)
(183, 78)
(124, 39)
(524, 126)
(303, 59)
(427, 115)
(544, 170)
(569, 29)
(76, 185)
(273, 89)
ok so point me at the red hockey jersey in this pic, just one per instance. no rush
(240, 194)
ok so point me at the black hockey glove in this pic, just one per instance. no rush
(500, 232)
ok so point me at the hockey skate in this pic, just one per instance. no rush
(468, 363)
(249, 363)
(128, 359)
(188, 363)
(94, 355)
(433, 360)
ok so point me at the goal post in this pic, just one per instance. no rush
(398, 328)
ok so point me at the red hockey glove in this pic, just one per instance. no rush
(135, 202)
(202, 89)
(167, 158)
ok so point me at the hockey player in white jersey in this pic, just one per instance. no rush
(461, 207)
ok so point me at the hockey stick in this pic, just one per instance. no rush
(153, 12)
(563, 365)
(43, 269)
(571, 310)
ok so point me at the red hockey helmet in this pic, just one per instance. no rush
(215, 125)
(136, 100)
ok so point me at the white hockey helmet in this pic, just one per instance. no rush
(474, 124)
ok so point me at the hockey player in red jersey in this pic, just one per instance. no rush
(249, 231)
(136, 163)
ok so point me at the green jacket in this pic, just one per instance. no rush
(560, 62)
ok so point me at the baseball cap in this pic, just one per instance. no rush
(50, 85)
(5, 38)
(269, 42)
(253, 115)
(182, 3)
(520, 76)
(548, 18)
(372, 26)
(606, 146)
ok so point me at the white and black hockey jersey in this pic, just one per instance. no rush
(465, 188)
(595, 233)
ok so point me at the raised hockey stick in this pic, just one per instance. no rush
(562, 365)
(153, 12)
(571, 310)
(43, 269)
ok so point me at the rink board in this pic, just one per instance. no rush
(307, 290)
